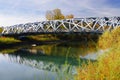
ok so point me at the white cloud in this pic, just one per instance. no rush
(7, 20)
(22, 11)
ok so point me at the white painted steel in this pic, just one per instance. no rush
(92, 24)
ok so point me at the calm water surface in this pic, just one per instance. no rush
(45, 62)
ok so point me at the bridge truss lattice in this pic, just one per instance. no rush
(97, 24)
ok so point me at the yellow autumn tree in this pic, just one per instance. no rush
(49, 15)
(69, 16)
(56, 14)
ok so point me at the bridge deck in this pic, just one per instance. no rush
(76, 25)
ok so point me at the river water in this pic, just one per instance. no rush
(45, 62)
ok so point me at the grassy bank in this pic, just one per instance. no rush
(108, 65)
(8, 40)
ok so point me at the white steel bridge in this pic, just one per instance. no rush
(75, 25)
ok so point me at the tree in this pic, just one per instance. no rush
(49, 15)
(69, 16)
(56, 14)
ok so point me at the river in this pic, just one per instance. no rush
(45, 62)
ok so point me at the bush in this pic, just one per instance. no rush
(107, 66)
(109, 39)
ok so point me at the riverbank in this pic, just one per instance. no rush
(108, 65)
(13, 44)
(8, 42)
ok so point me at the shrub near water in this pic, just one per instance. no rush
(108, 65)
(109, 39)
(107, 68)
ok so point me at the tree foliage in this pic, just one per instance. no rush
(49, 15)
(69, 16)
(56, 14)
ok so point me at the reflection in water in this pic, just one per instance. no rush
(50, 69)
(42, 61)
(55, 58)
(76, 49)
(13, 71)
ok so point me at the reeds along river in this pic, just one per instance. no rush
(44, 62)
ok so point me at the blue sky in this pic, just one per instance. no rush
(23, 11)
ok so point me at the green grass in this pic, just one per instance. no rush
(108, 65)
(8, 40)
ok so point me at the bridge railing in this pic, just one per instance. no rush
(92, 24)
